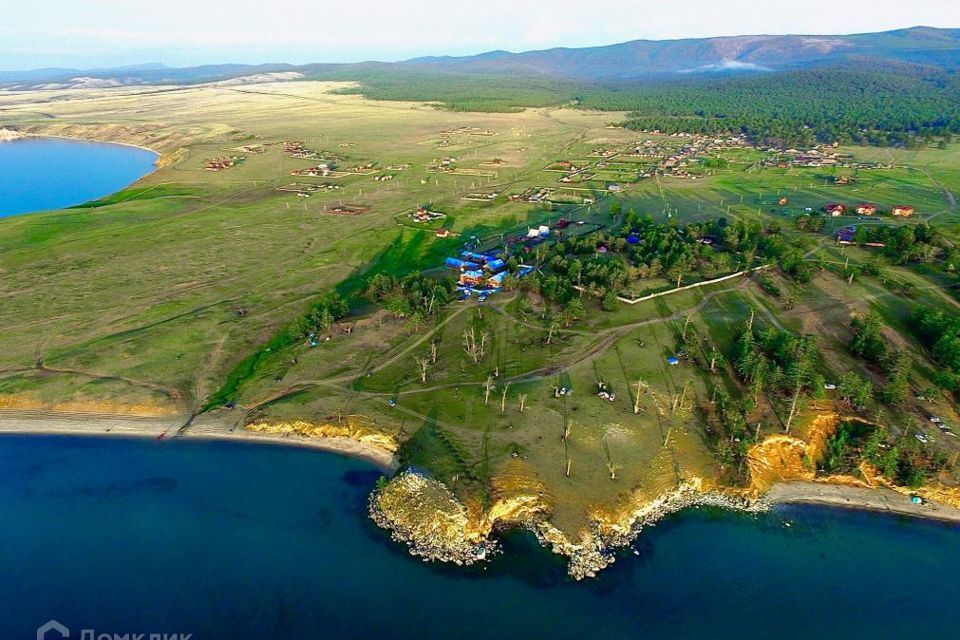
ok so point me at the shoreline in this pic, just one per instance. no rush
(19, 135)
(879, 500)
(23, 136)
(106, 426)
(21, 422)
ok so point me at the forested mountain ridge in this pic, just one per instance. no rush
(894, 88)
(931, 47)
(643, 58)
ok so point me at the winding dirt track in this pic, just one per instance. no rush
(606, 338)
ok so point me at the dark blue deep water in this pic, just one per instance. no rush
(40, 174)
(230, 540)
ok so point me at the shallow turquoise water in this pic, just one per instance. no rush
(40, 174)
(231, 540)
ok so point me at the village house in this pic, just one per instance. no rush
(866, 209)
(903, 211)
(422, 214)
(835, 209)
(218, 164)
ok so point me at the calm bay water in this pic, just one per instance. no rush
(230, 540)
(40, 174)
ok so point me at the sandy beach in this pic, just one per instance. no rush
(880, 500)
(50, 423)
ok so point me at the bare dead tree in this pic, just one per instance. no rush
(423, 366)
(503, 398)
(641, 387)
(523, 401)
(554, 324)
(488, 386)
(470, 345)
(610, 466)
(678, 399)
(484, 340)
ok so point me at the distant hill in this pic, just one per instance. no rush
(133, 75)
(738, 54)
(926, 47)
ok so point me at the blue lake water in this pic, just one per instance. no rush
(40, 174)
(231, 540)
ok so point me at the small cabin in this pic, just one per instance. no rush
(903, 211)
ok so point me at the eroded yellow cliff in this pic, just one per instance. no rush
(352, 427)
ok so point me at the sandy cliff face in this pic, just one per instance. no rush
(22, 402)
(351, 427)
(782, 457)
(949, 496)
(778, 458)
(158, 137)
(518, 498)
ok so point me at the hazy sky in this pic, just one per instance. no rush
(91, 33)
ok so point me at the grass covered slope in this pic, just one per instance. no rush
(170, 283)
